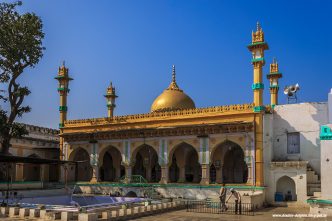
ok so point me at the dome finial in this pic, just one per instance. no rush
(258, 26)
(173, 85)
(274, 60)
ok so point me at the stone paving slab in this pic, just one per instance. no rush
(183, 215)
(262, 215)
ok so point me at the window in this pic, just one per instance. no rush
(293, 143)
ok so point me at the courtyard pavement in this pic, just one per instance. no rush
(262, 215)
(182, 215)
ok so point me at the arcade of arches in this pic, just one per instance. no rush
(226, 165)
(29, 171)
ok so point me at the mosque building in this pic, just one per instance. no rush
(265, 147)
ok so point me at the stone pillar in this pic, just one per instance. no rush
(128, 173)
(218, 175)
(45, 172)
(19, 172)
(117, 173)
(63, 173)
(95, 174)
(182, 174)
(205, 174)
(164, 174)
(148, 173)
(163, 160)
(94, 162)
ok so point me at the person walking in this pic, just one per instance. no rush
(237, 197)
(222, 197)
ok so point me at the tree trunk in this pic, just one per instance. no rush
(5, 143)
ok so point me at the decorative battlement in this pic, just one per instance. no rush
(238, 108)
(41, 130)
(274, 66)
(258, 36)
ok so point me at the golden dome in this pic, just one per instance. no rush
(173, 98)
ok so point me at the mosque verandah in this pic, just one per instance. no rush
(176, 142)
(179, 149)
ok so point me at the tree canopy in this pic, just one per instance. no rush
(21, 46)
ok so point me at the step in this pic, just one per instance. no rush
(317, 194)
(318, 184)
(312, 190)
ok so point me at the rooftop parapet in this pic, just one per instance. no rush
(227, 109)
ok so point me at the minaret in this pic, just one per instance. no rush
(110, 97)
(274, 76)
(257, 48)
(63, 89)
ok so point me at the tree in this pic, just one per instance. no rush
(21, 38)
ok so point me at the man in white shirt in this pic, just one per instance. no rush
(222, 197)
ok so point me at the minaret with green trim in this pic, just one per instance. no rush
(63, 89)
(110, 97)
(274, 76)
(257, 48)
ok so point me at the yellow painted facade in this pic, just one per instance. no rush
(175, 142)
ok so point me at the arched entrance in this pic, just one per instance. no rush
(131, 194)
(146, 163)
(228, 162)
(83, 169)
(111, 169)
(185, 166)
(31, 172)
(286, 187)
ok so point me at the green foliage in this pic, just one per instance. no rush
(17, 130)
(20, 47)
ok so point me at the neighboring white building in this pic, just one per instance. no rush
(323, 203)
(292, 151)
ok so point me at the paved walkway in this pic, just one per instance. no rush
(262, 215)
(182, 215)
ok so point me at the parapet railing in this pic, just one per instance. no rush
(207, 206)
(135, 117)
(133, 179)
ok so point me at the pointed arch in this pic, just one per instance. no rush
(82, 171)
(145, 159)
(184, 164)
(228, 160)
(110, 160)
(287, 187)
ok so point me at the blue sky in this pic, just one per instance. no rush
(134, 43)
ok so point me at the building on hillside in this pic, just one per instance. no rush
(41, 142)
(271, 150)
